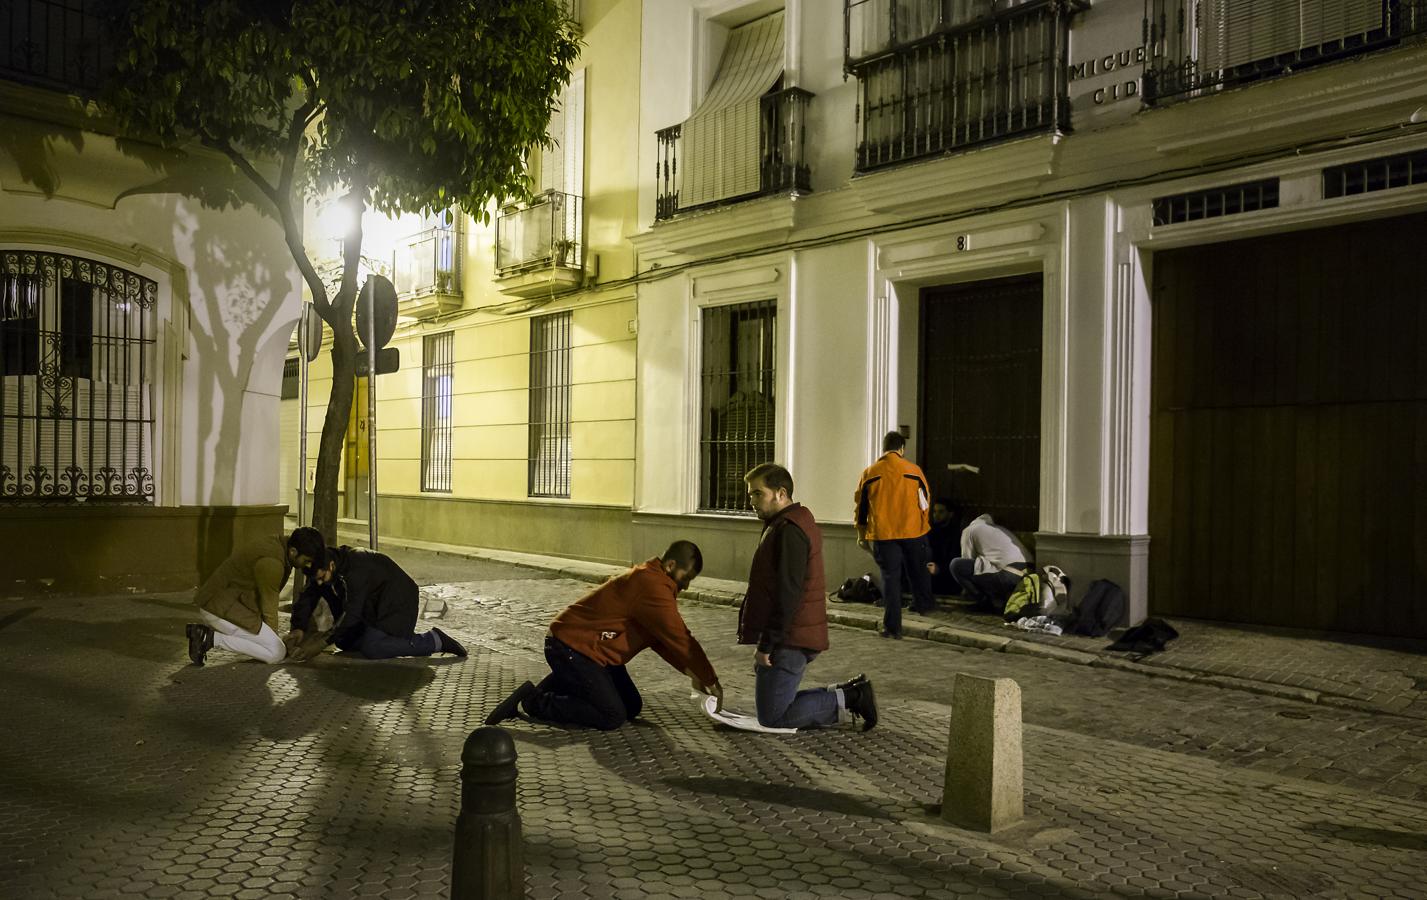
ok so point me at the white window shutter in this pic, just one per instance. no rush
(573, 156)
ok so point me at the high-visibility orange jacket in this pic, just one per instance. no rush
(892, 500)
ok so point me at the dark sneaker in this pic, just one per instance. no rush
(862, 703)
(200, 641)
(894, 635)
(509, 708)
(449, 644)
(855, 680)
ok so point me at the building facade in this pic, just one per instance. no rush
(145, 307)
(1146, 265)
(1134, 276)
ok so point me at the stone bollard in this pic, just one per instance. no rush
(984, 789)
(489, 859)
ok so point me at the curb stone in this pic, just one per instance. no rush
(595, 572)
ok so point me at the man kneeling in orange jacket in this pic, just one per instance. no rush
(592, 641)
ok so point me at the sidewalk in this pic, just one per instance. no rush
(128, 772)
(1380, 675)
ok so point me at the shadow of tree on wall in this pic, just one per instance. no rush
(228, 263)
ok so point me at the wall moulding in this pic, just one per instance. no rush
(710, 286)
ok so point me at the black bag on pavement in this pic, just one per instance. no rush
(858, 590)
(1150, 636)
(1103, 608)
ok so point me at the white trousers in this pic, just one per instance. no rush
(265, 646)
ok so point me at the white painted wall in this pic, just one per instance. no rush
(228, 294)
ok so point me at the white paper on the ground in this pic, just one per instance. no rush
(737, 720)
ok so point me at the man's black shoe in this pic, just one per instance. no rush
(923, 610)
(449, 644)
(509, 708)
(855, 680)
(200, 641)
(862, 703)
(894, 635)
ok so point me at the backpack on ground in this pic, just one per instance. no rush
(1025, 600)
(858, 590)
(1055, 593)
(1103, 608)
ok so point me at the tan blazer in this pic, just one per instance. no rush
(243, 590)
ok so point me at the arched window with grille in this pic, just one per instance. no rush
(76, 380)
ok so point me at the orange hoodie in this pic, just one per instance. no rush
(617, 620)
(892, 500)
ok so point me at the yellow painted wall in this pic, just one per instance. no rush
(491, 375)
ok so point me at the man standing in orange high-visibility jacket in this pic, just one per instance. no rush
(891, 507)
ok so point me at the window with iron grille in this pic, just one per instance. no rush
(1209, 45)
(1369, 175)
(936, 76)
(76, 379)
(437, 366)
(291, 379)
(737, 405)
(1229, 200)
(550, 405)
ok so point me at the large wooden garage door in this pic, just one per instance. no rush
(981, 397)
(1289, 431)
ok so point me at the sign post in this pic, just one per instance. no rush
(376, 322)
(309, 342)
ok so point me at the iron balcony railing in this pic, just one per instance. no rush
(782, 154)
(59, 44)
(547, 231)
(429, 262)
(1208, 45)
(942, 75)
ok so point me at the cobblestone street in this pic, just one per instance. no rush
(126, 772)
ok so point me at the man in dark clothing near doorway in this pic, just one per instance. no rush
(891, 506)
(592, 641)
(373, 605)
(784, 613)
(944, 542)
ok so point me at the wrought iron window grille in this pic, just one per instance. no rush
(938, 76)
(76, 370)
(549, 459)
(59, 44)
(737, 400)
(546, 231)
(1380, 174)
(1216, 202)
(1211, 45)
(782, 154)
(438, 366)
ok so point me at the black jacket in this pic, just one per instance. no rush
(368, 590)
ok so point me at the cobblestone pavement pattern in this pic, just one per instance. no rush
(126, 772)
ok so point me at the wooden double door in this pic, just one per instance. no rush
(1289, 430)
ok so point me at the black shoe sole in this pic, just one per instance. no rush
(509, 708)
(869, 721)
(196, 641)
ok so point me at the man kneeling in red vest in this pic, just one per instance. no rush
(592, 641)
(785, 613)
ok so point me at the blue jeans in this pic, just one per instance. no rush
(580, 691)
(780, 704)
(375, 644)
(909, 555)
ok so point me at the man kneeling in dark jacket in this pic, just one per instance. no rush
(373, 605)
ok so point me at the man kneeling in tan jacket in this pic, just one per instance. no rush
(239, 600)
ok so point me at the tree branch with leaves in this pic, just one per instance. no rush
(404, 106)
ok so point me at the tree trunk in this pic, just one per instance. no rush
(344, 371)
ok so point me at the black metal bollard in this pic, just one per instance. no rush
(489, 859)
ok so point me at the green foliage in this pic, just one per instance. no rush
(430, 103)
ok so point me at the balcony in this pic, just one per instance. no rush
(779, 159)
(1219, 49)
(942, 75)
(426, 267)
(539, 246)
